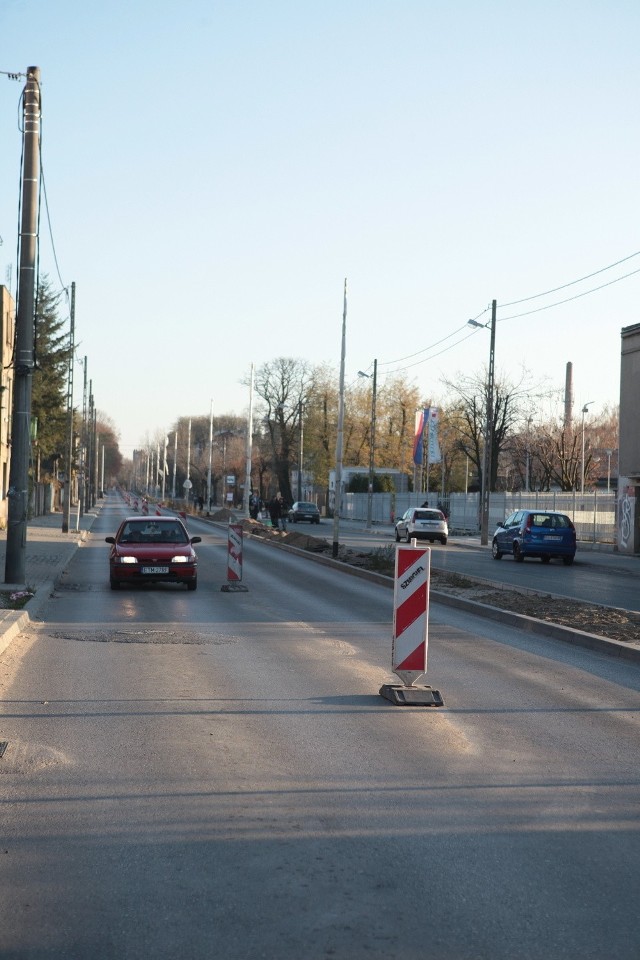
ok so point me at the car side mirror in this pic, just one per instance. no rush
(196, 540)
(501, 524)
(110, 539)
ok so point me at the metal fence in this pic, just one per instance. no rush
(593, 514)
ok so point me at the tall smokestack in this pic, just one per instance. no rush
(568, 398)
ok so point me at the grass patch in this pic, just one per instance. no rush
(382, 559)
(16, 599)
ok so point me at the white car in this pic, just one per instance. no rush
(423, 523)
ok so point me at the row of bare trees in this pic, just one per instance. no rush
(297, 404)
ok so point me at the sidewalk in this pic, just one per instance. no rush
(48, 551)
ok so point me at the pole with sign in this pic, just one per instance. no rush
(411, 629)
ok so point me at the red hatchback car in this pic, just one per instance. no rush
(153, 550)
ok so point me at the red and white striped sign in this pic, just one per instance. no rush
(234, 552)
(411, 613)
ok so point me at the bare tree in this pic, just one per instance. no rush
(284, 384)
(468, 415)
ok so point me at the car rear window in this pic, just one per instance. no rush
(428, 515)
(555, 521)
(306, 506)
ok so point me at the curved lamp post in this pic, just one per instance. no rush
(584, 410)
(372, 445)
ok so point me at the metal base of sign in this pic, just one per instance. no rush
(234, 588)
(419, 696)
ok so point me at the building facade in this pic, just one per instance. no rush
(7, 339)
(628, 513)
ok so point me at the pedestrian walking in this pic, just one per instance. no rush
(278, 513)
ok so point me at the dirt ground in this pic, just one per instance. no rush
(590, 617)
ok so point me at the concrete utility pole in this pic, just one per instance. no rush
(249, 451)
(69, 466)
(82, 485)
(90, 453)
(18, 493)
(339, 437)
(486, 474)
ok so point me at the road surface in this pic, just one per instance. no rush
(211, 774)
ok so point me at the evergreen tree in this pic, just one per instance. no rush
(49, 385)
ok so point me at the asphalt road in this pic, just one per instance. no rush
(596, 576)
(213, 774)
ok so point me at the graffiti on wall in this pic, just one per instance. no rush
(625, 523)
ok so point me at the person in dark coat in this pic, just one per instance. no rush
(278, 513)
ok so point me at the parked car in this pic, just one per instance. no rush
(423, 523)
(302, 510)
(536, 533)
(153, 550)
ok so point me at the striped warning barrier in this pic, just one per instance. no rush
(411, 629)
(410, 613)
(234, 559)
(234, 552)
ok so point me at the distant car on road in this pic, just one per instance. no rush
(153, 550)
(303, 510)
(422, 523)
(536, 533)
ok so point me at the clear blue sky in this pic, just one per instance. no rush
(214, 171)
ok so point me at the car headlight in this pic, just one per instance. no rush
(180, 559)
(126, 559)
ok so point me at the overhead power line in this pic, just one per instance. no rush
(515, 316)
(572, 283)
(558, 303)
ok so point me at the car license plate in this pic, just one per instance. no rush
(550, 537)
(155, 570)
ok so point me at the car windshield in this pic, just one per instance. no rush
(152, 532)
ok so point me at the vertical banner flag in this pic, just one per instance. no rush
(434, 455)
(418, 438)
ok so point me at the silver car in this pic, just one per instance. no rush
(422, 523)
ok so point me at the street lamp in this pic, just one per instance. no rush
(528, 456)
(608, 452)
(372, 444)
(584, 410)
(488, 442)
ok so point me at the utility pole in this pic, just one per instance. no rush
(211, 452)
(249, 451)
(89, 470)
(67, 480)
(372, 447)
(340, 433)
(300, 446)
(18, 493)
(175, 465)
(486, 474)
(83, 445)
